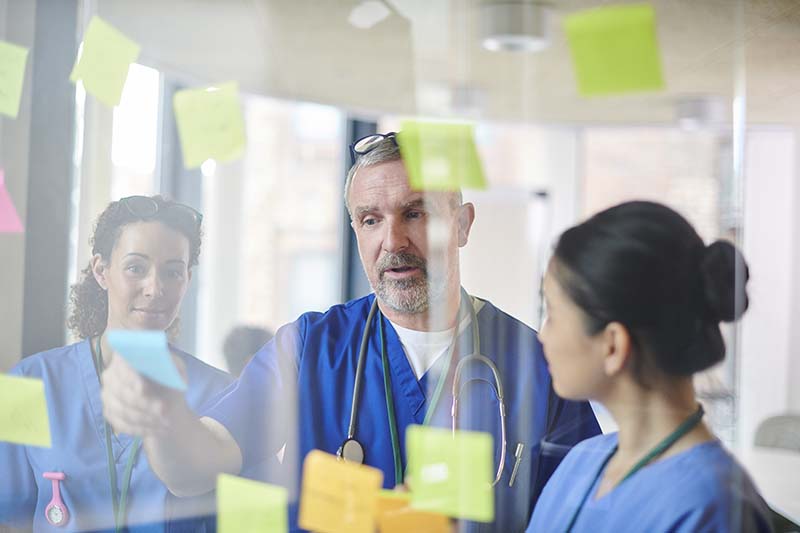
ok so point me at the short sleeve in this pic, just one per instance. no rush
(18, 489)
(260, 407)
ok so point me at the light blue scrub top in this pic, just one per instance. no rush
(78, 449)
(700, 489)
(298, 390)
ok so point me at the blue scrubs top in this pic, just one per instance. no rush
(700, 489)
(298, 390)
(78, 449)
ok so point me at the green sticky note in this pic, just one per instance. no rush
(104, 60)
(210, 124)
(12, 75)
(451, 474)
(23, 411)
(440, 156)
(614, 49)
(245, 506)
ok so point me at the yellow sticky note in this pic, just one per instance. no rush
(23, 411)
(245, 506)
(440, 156)
(210, 124)
(451, 474)
(12, 75)
(614, 49)
(395, 515)
(104, 61)
(337, 496)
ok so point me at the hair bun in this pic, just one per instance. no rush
(724, 292)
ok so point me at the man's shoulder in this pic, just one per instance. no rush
(489, 313)
(336, 315)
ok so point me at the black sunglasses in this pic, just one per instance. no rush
(368, 143)
(146, 207)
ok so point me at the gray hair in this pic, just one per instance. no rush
(385, 151)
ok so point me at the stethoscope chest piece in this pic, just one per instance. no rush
(352, 451)
(56, 512)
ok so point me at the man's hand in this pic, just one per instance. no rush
(136, 405)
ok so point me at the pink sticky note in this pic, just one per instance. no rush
(9, 220)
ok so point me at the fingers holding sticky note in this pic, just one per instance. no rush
(246, 506)
(338, 496)
(148, 353)
(23, 411)
(451, 473)
(210, 124)
(440, 156)
(104, 61)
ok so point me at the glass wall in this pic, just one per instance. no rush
(566, 123)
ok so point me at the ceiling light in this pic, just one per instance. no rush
(514, 26)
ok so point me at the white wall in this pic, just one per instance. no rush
(514, 230)
(770, 247)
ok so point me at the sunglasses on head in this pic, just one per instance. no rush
(146, 207)
(366, 144)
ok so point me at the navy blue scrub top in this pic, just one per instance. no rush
(298, 388)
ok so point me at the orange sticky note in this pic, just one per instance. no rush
(338, 496)
(395, 515)
(9, 219)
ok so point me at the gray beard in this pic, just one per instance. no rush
(407, 296)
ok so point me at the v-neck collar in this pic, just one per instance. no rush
(119, 442)
(403, 375)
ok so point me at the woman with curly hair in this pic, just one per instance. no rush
(143, 251)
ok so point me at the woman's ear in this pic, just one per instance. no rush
(617, 342)
(99, 270)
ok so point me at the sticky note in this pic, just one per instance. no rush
(23, 411)
(338, 496)
(104, 60)
(9, 219)
(148, 353)
(395, 515)
(614, 49)
(245, 506)
(451, 474)
(210, 124)
(440, 156)
(12, 75)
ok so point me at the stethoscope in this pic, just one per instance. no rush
(352, 450)
(56, 511)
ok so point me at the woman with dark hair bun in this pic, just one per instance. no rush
(634, 300)
(143, 251)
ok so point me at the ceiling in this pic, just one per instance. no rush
(425, 58)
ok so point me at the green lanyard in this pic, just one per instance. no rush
(120, 501)
(399, 474)
(685, 427)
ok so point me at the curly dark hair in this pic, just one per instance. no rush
(88, 301)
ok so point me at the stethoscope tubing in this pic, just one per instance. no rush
(475, 356)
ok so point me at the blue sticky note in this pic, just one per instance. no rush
(148, 353)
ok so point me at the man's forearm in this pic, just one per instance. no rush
(189, 456)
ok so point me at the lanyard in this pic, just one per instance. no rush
(119, 501)
(399, 474)
(685, 427)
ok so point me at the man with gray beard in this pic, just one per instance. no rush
(351, 380)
